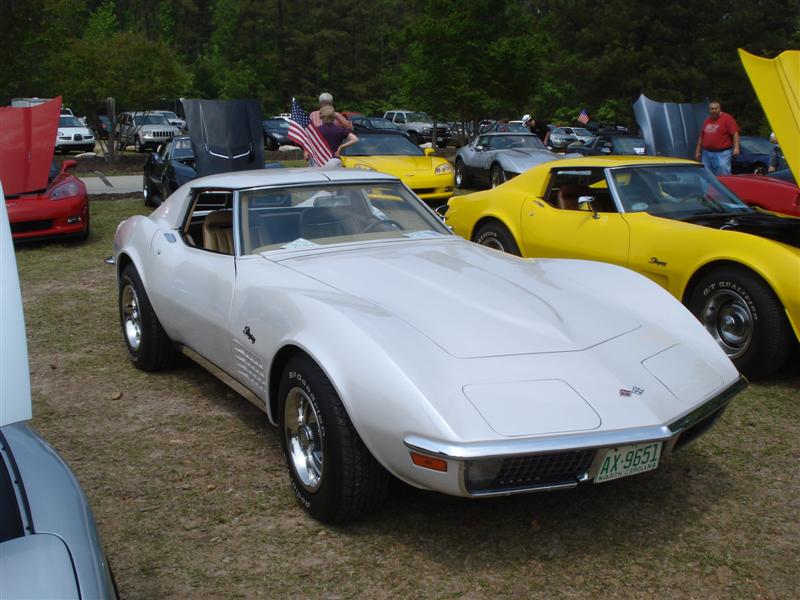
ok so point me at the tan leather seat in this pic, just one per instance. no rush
(569, 193)
(218, 231)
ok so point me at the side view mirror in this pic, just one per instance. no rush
(587, 203)
(442, 211)
(479, 148)
(428, 151)
(155, 157)
(68, 164)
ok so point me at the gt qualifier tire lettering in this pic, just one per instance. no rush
(494, 235)
(742, 313)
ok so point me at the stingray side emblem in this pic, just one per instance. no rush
(634, 390)
(249, 335)
(655, 261)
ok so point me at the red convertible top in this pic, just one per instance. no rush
(27, 142)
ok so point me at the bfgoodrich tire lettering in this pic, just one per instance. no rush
(332, 474)
(149, 347)
(497, 237)
(743, 314)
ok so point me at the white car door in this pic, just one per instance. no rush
(191, 285)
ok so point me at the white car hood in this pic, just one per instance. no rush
(73, 130)
(471, 301)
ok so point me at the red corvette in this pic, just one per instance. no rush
(41, 202)
(768, 193)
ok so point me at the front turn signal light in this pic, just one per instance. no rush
(428, 462)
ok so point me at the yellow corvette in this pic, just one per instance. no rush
(429, 177)
(737, 269)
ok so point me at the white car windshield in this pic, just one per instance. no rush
(674, 192)
(67, 121)
(317, 215)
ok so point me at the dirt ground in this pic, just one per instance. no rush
(191, 495)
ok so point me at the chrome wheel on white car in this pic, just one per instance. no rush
(149, 347)
(303, 438)
(332, 473)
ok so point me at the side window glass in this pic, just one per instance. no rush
(209, 224)
(400, 118)
(568, 186)
(390, 116)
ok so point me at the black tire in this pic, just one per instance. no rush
(743, 314)
(84, 235)
(147, 191)
(495, 235)
(139, 322)
(272, 144)
(496, 176)
(462, 177)
(332, 474)
(138, 146)
(759, 169)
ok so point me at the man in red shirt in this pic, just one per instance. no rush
(718, 141)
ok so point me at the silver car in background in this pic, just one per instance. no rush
(561, 137)
(49, 544)
(145, 130)
(493, 158)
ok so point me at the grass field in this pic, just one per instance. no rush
(192, 499)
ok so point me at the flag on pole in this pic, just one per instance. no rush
(302, 131)
(583, 117)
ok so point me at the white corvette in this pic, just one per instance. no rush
(378, 342)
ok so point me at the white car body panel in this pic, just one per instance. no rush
(15, 385)
(429, 342)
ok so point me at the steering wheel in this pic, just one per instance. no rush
(389, 223)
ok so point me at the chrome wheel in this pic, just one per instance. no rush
(130, 317)
(497, 177)
(727, 317)
(303, 438)
(493, 243)
(459, 174)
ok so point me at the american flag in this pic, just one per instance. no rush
(583, 117)
(302, 131)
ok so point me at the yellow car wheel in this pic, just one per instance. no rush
(494, 235)
(745, 317)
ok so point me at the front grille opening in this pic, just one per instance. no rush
(527, 472)
(698, 429)
(30, 226)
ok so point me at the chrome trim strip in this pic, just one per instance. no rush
(714, 404)
(237, 387)
(511, 448)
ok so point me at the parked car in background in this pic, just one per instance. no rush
(276, 133)
(735, 268)
(419, 126)
(429, 177)
(493, 158)
(173, 119)
(767, 192)
(561, 137)
(361, 123)
(43, 199)
(754, 154)
(73, 135)
(505, 127)
(144, 130)
(168, 169)
(610, 144)
(49, 544)
(102, 129)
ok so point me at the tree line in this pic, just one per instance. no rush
(457, 59)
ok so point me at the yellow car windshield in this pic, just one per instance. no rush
(383, 144)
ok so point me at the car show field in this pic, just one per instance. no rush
(190, 490)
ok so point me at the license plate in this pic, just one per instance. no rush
(628, 460)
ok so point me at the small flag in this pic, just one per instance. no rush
(583, 117)
(302, 131)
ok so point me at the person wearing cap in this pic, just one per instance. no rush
(537, 128)
(325, 99)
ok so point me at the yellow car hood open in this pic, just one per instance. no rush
(777, 85)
